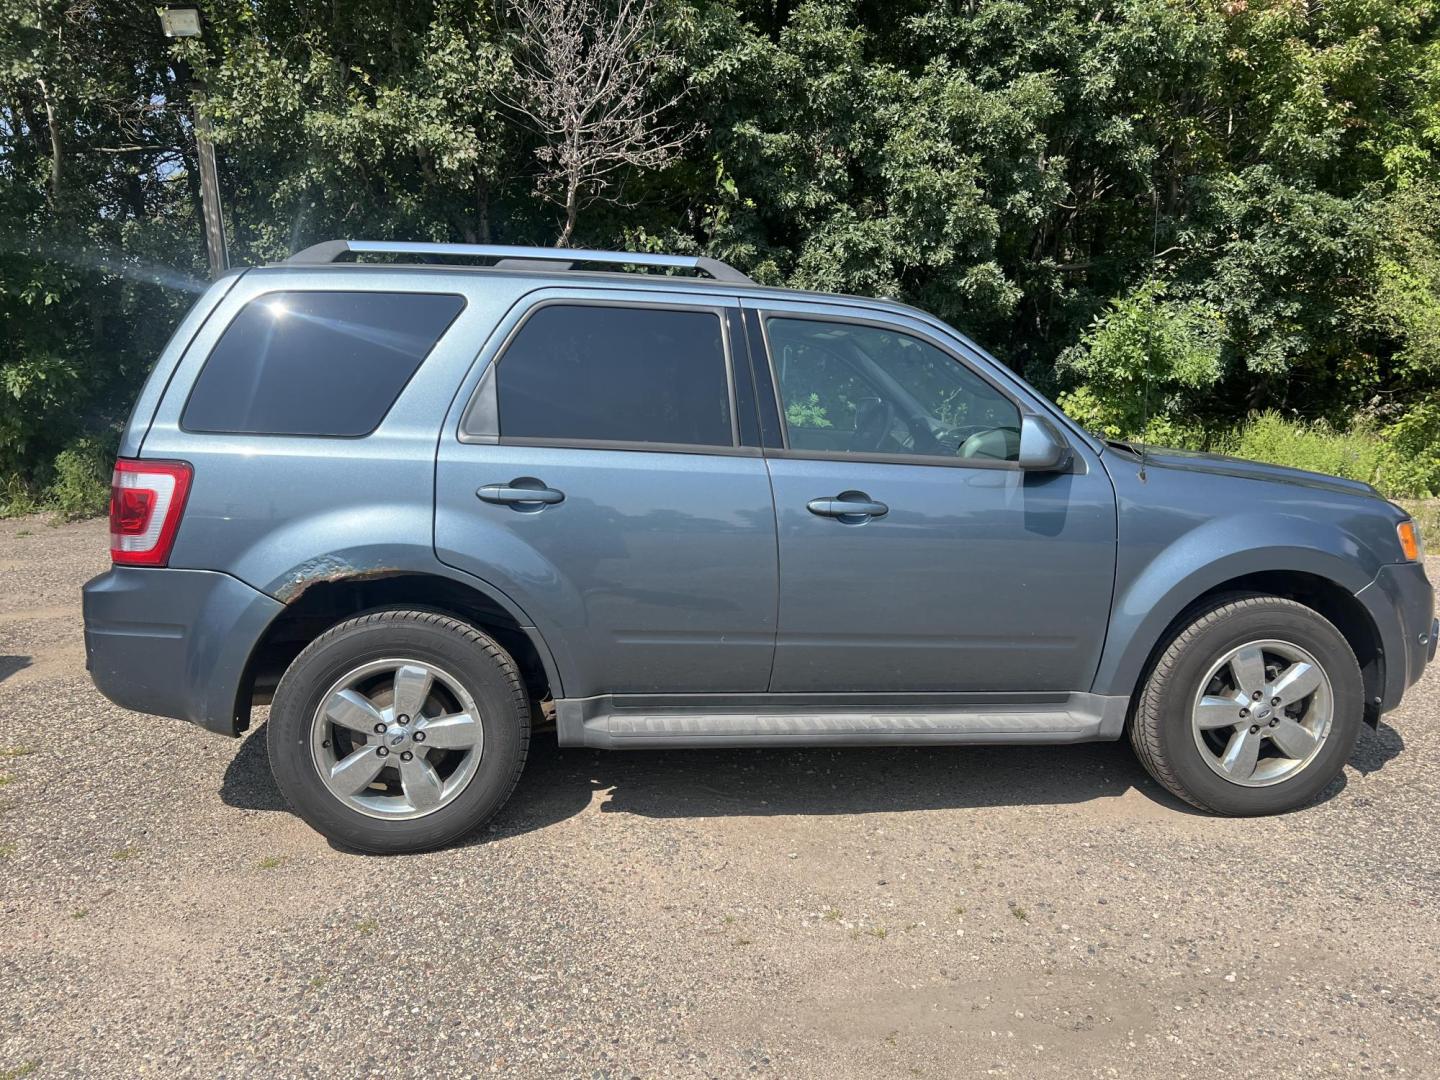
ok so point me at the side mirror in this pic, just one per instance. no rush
(1041, 447)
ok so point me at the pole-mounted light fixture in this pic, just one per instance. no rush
(184, 22)
(180, 22)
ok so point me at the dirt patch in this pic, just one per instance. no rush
(1022, 912)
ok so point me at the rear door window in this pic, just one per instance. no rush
(596, 373)
(316, 363)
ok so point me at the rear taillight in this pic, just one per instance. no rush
(146, 500)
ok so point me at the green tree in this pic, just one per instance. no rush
(1031, 172)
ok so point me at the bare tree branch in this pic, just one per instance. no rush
(584, 73)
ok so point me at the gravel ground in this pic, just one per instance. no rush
(1025, 912)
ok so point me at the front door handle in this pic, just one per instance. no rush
(850, 507)
(522, 493)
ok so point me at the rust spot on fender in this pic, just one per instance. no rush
(328, 570)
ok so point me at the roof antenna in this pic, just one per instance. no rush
(1149, 332)
(1144, 414)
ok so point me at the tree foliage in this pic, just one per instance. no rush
(1173, 212)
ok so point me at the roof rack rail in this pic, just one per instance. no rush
(527, 258)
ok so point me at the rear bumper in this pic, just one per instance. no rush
(1402, 603)
(174, 642)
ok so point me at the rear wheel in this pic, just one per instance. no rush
(399, 731)
(1253, 708)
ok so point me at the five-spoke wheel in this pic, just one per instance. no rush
(399, 730)
(1252, 707)
(1263, 712)
(397, 738)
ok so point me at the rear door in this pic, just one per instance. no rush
(915, 555)
(598, 475)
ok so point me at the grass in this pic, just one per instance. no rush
(6, 850)
(1020, 913)
(1406, 470)
(1426, 513)
(1268, 436)
(317, 982)
(5, 778)
(124, 854)
(80, 913)
(25, 1068)
(11, 752)
(831, 914)
(366, 927)
(270, 862)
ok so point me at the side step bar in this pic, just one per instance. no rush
(617, 723)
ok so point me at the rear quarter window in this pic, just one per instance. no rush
(316, 363)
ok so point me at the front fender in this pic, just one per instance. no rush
(1156, 582)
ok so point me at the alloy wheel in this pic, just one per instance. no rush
(397, 738)
(1263, 713)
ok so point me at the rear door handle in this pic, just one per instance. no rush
(522, 493)
(851, 507)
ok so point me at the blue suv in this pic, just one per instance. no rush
(422, 507)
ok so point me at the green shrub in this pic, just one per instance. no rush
(81, 487)
(1411, 458)
(1147, 356)
(16, 497)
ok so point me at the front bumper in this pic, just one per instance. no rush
(1401, 602)
(174, 642)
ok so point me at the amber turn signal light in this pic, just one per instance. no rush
(1409, 539)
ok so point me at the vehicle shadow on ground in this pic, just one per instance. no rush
(559, 783)
(1376, 749)
(9, 665)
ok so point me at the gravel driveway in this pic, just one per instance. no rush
(1026, 912)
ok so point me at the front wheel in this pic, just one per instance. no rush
(1253, 708)
(399, 731)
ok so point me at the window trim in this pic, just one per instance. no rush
(480, 419)
(786, 453)
(258, 298)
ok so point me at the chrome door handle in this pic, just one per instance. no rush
(525, 492)
(851, 507)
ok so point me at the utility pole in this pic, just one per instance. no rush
(210, 194)
(184, 22)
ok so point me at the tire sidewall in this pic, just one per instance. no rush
(1281, 621)
(434, 640)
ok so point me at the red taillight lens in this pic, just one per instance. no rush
(146, 500)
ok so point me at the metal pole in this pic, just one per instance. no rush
(210, 195)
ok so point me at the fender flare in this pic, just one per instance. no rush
(372, 562)
(1218, 551)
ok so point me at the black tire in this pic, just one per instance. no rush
(480, 665)
(1161, 726)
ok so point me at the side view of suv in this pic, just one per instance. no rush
(420, 508)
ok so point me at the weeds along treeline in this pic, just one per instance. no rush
(1213, 223)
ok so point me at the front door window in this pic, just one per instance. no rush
(858, 389)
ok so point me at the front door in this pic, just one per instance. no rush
(599, 480)
(915, 555)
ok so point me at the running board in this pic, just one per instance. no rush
(617, 723)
